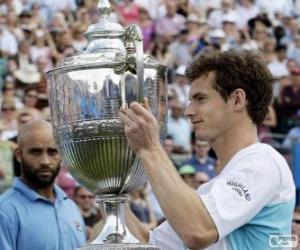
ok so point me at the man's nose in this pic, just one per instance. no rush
(188, 112)
(45, 160)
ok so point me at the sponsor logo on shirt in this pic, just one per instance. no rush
(283, 241)
(240, 189)
(78, 226)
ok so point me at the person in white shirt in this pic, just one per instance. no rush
(253, 197)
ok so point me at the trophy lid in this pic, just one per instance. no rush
(105, 45)
(104, 28)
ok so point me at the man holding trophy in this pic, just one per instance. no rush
(254, 195)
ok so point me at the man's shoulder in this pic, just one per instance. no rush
(8, 196)
(261, 152)
(10, 202)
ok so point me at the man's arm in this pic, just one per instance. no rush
(136, 227)
(181, 205)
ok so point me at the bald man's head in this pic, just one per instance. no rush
(33, 128)
(38, 154)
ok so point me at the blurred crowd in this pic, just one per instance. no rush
(36, 34)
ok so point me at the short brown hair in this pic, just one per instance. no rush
(238, 69)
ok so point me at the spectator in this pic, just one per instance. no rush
(292, 138)
(290, 102)
(180, 49)
(215, 17)
(86, 203)
(8, 42)
(168, 145)
(128, 12)
(201, 178)
(293, 50)
(170, 25)
(9, 92)
(6, 163)
(35, 200)
(181, 85)
(246, 11)
(179, 128)
(8, 119)
(201, 161)
(147, 26)
(66, 181)
(188, 173)
(141, 206)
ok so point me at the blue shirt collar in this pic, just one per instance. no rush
(32, 195)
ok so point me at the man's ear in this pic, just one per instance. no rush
(18, 154)
(239, 99)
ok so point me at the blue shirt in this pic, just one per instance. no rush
(29, 221)
(207, 167)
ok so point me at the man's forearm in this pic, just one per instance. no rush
(136, 227)
(181, 205)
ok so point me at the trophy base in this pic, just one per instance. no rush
(121, 246)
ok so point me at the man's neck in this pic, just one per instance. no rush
(46, 192)
(230, 143)
(86, 213)
(202, 159)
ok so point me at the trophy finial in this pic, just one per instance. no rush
(104, 8)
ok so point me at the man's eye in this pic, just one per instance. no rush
(52, 152)
(34, 152)
(200, 99)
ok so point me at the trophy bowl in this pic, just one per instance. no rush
(86, 92)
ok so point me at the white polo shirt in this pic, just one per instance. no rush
(252, 198)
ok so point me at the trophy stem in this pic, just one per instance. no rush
(115, 235)
(114, 230)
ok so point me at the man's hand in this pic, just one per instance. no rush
(141, 127)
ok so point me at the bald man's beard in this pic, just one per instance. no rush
(35, 178)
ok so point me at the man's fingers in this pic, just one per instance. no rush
(146, 103)
(126, 119)
(141, 111)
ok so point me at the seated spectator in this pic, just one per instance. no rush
(293, 51)
(8, 118)
(201, 161)
(147, 27)
(201, 178)
(264, 130)
(9, 92)
(180, 49)
(290, 102)
(168, 146)
(91, 215)
(181, 86)
(292, 137)
(179, 128)
(142, 208)
(188, 173)
(169, 25)
(66, 181)
(6, 163)
(128, 12)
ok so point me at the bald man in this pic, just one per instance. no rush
(35, 213)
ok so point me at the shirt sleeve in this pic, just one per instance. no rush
(165, 238)
(8, 233)
(233, 199)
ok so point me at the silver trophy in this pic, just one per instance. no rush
(86, 92)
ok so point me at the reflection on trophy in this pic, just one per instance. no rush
(86, 92)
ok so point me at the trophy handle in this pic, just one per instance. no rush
(133, 34)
